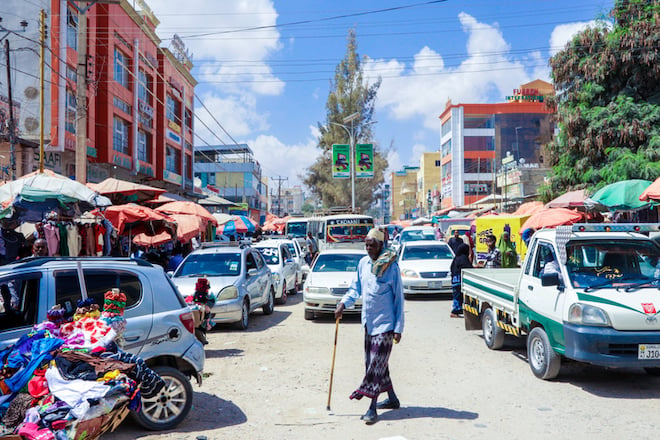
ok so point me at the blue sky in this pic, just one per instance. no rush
(265, 76)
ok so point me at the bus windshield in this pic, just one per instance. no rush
(296, 229)
(344, 231)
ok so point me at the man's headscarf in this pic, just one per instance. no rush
(376, 234)
(386, 257)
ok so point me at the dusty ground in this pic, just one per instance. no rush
(271, 382)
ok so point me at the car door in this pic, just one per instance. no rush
(288, 268)
(546, 302)
(252, 281)
(264, 276)
(23, 303)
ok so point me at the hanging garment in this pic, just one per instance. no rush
(90, 243)
(64, 243)
(52, 233)
(73, 240)
(99, 240)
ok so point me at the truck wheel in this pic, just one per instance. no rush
(309, 315)
(170, 406)
(543, 360)
(270, 304)
(493, 335)
(652, 371)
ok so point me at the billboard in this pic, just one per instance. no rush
(364, 158)
(341, 161)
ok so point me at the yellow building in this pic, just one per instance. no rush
(404, 190)
(428, 181)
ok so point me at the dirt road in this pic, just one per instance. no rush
(271, 382)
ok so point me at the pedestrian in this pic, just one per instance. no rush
(176, 258)
(378, 282)
(494, 256)
(312, 248)
(461, 261)
(507, 250)
(39, 248)
(455, 241)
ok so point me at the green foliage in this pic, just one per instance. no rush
(608, 102)
(349, 94)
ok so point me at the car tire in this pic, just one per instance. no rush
(245, 316)
(309, 315)
(652, 371)
(157, 413)
(270, 303)
(543, 360)
(285, 295)
(493, 335)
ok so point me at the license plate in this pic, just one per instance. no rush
(435, 284)
(648, 351)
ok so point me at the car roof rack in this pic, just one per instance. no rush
(40, 261)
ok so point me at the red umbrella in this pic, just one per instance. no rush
(143, 239)
(136, 219)
(571, 199)
(186, 207)
(551, 218)
(652, 193)
(188, 226)
(529, 208)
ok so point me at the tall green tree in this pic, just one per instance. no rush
(349, 94)
(608, 102)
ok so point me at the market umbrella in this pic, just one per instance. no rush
(529, 208)
(551, 218)
(652, 192)
(187, 207)
(121, 191)
(221, 217)
(132, 219)
(35, 194)
(571, 199)
(143, 239)
(188, 226)
(623, 195)
(239, 224)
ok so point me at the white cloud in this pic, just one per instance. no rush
(417, 151)
(563, 33)
(237, 113)
(422, 89)
(394, 164)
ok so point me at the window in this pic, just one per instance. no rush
(99, 281)
(143, 147)
(250, 263)
(438, 163)
(70, 119)
(71, 74)
(258, 259)
(479, 121)
(478, 143)
(211, 178)
(172, 160)
(189, 119)
(544, 255)
(121, 68)
(71, 29)
(446, 127)
(446, 148)
(122, 105)
(20, 302)
(173, 108)
(144, 86)
(120, 135)
(477, 165)
(220, 264)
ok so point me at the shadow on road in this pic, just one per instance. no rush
(217, 354)
(208, 412)
(420, 412)
(428, 297)
(258, 322)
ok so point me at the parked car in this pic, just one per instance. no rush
(425, 267)
(281, 263)
(330, 277)
(298, 256)
(239, 278)
(159, 324)
(413, 233)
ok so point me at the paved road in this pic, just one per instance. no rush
(271, 382)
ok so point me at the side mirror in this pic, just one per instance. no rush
(550, 279)
(170, 273)
(252, 272)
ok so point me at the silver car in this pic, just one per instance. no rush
(239, 278)
(281, 263)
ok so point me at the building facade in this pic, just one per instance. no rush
(232, 172)
(289, 201)
(404, 193)
(478, 141)
(428, 182)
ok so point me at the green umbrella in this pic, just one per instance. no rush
(617, 196)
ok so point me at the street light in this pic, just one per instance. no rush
(351, 139)
(517, 147)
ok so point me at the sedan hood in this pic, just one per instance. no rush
(186, 285)
(330, 279)
(425, 265)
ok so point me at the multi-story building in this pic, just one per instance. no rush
(404, 193)
(139, 95)
(428, 182)
(289, 201)
(232, 172)
(477, 138)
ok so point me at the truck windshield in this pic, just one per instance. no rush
(296, 229)
(613, 263)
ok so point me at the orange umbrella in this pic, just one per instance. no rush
(188, 226)
(551, 218)
(186, 207)
(529, 208)
(652, 193)
(143, 239)
(134, 219)
(121, 191)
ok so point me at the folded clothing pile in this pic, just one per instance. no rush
(69, 370)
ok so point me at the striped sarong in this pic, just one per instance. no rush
(377, 349)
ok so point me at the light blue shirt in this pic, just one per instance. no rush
(382, 298)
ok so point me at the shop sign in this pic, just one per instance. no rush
(145, 109)
(180, 51)
(174, 126)
(173, 136)
(528, 95)
(147, 170)
(121, 161)
(475, 187)
(172, 177)
(52, 161)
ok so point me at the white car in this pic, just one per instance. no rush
(329, 278)
(281, 264)
(413, 233)
(299, 258)
(425, 267)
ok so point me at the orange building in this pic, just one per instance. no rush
(476, 137)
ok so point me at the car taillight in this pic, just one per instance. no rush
(188, 321)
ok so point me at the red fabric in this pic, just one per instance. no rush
(38, 386)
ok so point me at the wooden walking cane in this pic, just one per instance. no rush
(332, 368)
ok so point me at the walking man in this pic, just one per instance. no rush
(312, 248)
(378, 282)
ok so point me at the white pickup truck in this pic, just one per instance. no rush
(587, 292)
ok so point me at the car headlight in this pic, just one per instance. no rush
(276, 277)
(313, 289)
(588, 315)
(409, 273)
(229, 292)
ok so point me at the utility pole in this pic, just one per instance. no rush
(279, 179)
(42, 102)
(12, 138)
(81, 100)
